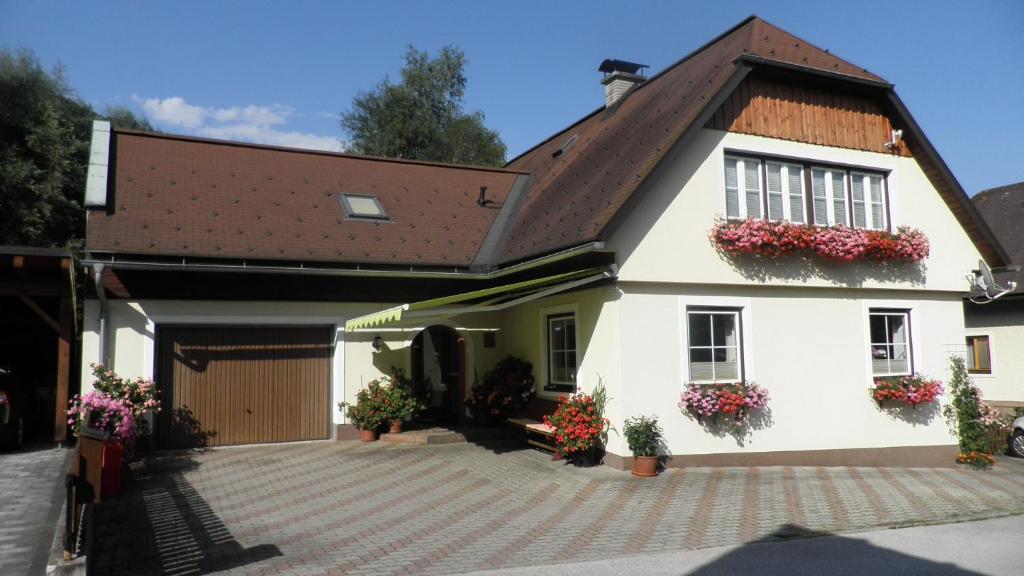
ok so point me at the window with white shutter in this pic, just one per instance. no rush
(752, 187)
(742, 188)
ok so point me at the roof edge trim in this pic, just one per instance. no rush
(235, 143)
(769, 62)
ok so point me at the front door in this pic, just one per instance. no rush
(437, 371)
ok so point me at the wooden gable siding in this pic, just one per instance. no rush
(789, 111)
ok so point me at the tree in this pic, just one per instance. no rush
(44, 135)
(45, 132)
(121, 117)
(421, 118)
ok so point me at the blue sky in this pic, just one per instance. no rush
(280, 72)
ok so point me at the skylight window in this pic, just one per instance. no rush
(362, 206)
(564, 147)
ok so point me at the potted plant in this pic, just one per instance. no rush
(399, 403)
(580, 426)
(505, 390)
(370, 411)
(110, 421)
(643, 435)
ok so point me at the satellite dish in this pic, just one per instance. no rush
(984, 288)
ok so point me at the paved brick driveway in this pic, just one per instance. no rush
(350, 508)
(31, 494)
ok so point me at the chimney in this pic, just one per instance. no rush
(619, 78)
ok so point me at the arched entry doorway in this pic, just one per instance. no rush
(438, 369)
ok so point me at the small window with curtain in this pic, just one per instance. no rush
(561, 345)
(890, 342)
(979, 355)
(714, 345)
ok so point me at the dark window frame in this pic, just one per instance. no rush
(988, 347)
(561, 387)
(354, 215)
(807, 165)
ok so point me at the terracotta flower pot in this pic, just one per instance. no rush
(396, 427)
(367, 435)
(645, 466)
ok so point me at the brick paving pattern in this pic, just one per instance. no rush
(30, 497)
(353, 508)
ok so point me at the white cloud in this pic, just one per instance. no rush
(252, 123)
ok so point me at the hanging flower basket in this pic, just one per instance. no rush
(728, 404)
(767, 239)
(909, 390)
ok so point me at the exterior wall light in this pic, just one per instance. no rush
(377, 343)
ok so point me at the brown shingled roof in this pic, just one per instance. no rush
(178, 196)
(575, 196)
(1003, 211)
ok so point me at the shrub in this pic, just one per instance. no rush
(99, 411)
(399, 402)
(964, 414)
(579, 422)
(505, 389)
(911, 390)
(371, 409)
(643, 435)
(139, 394)
(727, 403)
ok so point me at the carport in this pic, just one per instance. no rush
(38, 323)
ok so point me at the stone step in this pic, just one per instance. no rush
(429, 436)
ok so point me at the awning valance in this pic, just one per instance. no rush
(497, 298)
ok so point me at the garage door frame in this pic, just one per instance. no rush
(335, 323)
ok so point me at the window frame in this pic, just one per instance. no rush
(807, 165)
(968, 357)
(737, 313)
(351, 214)
(909, 345)
(550, 385)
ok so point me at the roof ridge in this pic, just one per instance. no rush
(1015, 187)
(239, 144)
(772, 28)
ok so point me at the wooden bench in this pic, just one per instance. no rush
(538, 434)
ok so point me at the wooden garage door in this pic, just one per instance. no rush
(243, 384)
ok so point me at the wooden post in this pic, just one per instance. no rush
(60, 424)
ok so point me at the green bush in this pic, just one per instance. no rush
(965, 415)
(643, 435)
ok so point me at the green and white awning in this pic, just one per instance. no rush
(494, 298)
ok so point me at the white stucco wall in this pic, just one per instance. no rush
(1003, 323)
(808, 347)
(665, 239)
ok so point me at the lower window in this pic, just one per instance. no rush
(890, 342)
(561, 353)
(714, 345)
(979, 355)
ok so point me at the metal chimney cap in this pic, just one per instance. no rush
(609, 66)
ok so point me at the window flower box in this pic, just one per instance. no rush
(909, 390)
(723, 403)
(768, 239)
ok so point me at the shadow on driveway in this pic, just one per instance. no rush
(163, 526)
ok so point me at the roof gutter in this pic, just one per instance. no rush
(184, 265)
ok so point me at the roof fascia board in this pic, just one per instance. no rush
(768, 62)
(951, 181)
(113, 263)
(500, 228)
(741, 72)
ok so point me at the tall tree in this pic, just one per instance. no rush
(421, 118)
(44, 153)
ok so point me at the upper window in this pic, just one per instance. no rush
(561, 353)
(714, 345)
(890, 343)
(362, 206)
(836, 195)
(979, 355)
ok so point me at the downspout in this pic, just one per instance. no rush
(98, 270)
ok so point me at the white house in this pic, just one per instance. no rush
(260, 285)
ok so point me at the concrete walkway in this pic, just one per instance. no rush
(352, 508)
(31, 496)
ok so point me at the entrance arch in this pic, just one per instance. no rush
(439, 372)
